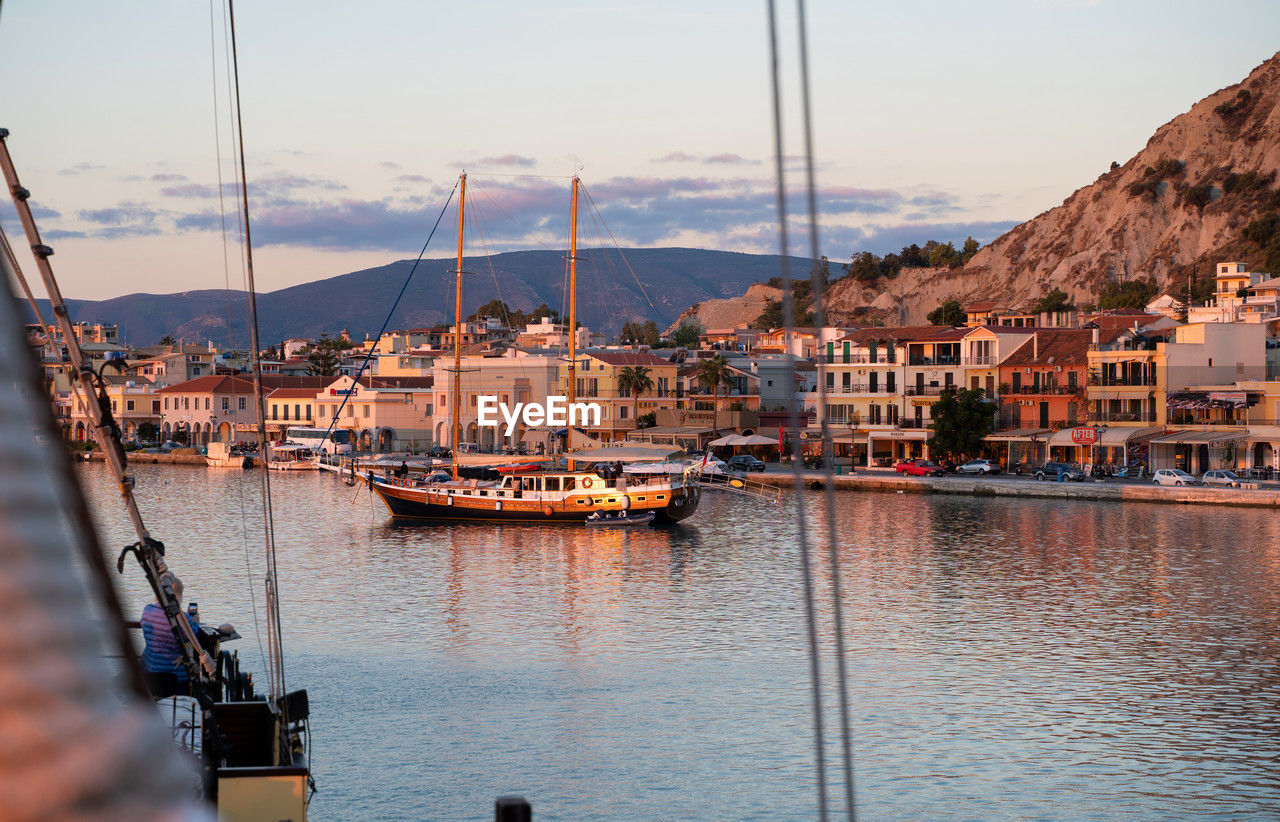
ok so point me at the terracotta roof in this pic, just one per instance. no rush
(293, 393)
(1053, 346)
(243, 384)
(984, 305)
(397, 382)
(627, 358)
(900, 333)
(943, 335)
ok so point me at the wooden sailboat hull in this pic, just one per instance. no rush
(419, 503)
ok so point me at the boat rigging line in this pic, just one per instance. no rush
(387, 320)
(789, 314)
(148, 550)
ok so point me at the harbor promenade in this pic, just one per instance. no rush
(1257, 495)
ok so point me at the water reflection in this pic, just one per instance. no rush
(1029, 658)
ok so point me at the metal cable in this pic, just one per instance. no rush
(794, 423)
(819, 321)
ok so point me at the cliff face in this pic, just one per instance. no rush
(730, 312)
(1150, 217)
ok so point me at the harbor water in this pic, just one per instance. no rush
(1008, 658)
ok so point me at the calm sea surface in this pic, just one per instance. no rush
(1008, 659)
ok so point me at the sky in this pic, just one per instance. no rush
(932, 120)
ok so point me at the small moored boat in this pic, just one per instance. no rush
(620, 518)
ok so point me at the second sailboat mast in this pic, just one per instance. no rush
(457, 330)
(572, 393)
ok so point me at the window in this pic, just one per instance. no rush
(890, 382)
(622, 413)
(297, 411)
(206, 403)
(242, 403)
(166, 403)
(128, 405)
(364, 410)
(226, 403)
(155, 406)
(308, 413)
(275, 411)
(186, 403)
(113, 407)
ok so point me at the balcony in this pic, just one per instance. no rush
(1044, 390)
(1123, 416)
(933, 361)
(1122, 382)
(977, 361)
(861, 388)
(914, 424)
(927, 390)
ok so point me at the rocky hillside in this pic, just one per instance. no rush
(730, 312)
(1174, 209)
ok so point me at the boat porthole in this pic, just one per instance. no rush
(586, 482)
(547, 510)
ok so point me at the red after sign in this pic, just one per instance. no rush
(1084, 436)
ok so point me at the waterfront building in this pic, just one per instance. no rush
(1239, 295)
(219, 407)
(132, 404)
(597, 375)
(381, 414)
(1041, 390)
(518, 376)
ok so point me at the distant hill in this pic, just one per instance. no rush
(608, 295)
(1169, 213)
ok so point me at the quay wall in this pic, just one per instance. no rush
(139, 457)
(1087, 490)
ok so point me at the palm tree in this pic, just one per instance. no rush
(634, 381)
(714, 373)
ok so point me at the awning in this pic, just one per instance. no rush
(1061, 438)
(630, 452)
(1119, 436)
(1198, 437)
(1200, 400)
(907, 434)
(1019, 435)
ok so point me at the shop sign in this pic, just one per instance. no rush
(1084, 436)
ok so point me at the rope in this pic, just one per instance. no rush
(368, 357)
(828, 484)
(806, 571)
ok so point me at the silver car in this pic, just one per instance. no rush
(1221, 477)
(979, 466)
(1172, 476)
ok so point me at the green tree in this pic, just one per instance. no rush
(636, 333)
(712, 374)
(865, 267)
(633, 381)
(942, 255)
(166, 340)
(647, 420)
(322, 357)
(961, 419)
(1128, 294)
(147, 432)
(688, 334)
(949, 313)
(1056, 300)
(970, 248)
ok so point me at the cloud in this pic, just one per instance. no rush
(80, 168)
(707, 159)
(508, 160)
(126, 219)
(55, 234)
(390, 166)
(412, 178)
(882, 239)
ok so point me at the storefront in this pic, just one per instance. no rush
(1103, 445)
(889, 446)
(1023, 445)
(1197, 451)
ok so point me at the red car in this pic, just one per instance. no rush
(919, 468)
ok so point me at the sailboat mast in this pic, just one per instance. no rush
(457, 330)
(573, 296)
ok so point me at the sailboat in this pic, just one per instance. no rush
(251, 750)
(532, 496)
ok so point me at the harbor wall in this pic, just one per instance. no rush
(980, 487)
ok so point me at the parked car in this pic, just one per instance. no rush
(1221, 477)
(745, 462)
(1172, 476)
(439, 452)
(979, 466)
(170, 445)
(922, 468)
(1060, 471)
(901, 465)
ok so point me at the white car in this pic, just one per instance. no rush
(979, 466)
(1172, 476)
(1221, 477)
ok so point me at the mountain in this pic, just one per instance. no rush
(613, 287)
(728, 312)
(1170, 212)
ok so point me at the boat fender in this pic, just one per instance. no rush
(586, 482)
(497, 506)
(450, 499)
(547, 510)
(625, 502)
